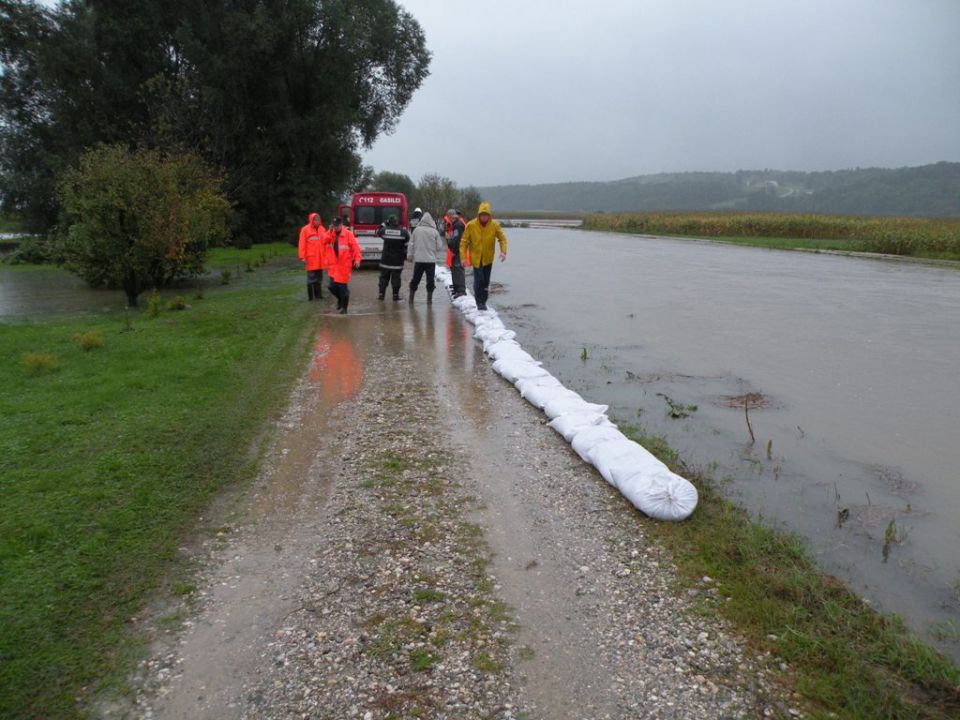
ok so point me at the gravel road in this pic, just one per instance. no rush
(420, 544)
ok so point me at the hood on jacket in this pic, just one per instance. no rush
(427, 220)
(311, 216)
(484, 208)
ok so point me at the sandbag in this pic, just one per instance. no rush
(514, 369)
(508, 336)
(617, 459)
(661, 495)
(539, 394)
(585, 440)
(570, 424)
(514, 352)
(571, 402)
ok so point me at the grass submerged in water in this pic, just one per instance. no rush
(106, 463)
(928, 238)
(845, 659)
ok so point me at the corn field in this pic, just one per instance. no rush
(924, 237)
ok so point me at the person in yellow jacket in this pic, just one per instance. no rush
(478, 243)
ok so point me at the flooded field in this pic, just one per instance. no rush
(848, 369)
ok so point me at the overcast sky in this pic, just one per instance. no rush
(529, 91)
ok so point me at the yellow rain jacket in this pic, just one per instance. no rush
(478, 240)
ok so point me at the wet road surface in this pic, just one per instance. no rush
(600, 632)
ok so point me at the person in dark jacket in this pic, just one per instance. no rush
(453, 243)
(395, 239)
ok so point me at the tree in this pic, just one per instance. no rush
(280, 95)
(436, 194)
(386, 181)
(140, 219)
(469, 200)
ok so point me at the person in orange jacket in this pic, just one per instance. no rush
(310, 251)
(342, 255)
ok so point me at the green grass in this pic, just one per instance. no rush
(927, 238)
(106, 463)
(844, 657)
(229, 257)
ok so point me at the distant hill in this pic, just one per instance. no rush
(929, 190)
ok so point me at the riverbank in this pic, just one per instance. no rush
(845, 658)
(118, 434)
(922, 238)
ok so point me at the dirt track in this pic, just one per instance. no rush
(419, 544)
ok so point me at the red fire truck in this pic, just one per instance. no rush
(366, 212)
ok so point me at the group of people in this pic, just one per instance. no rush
(334, 249)
(470, 243)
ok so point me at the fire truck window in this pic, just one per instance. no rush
(389, 212)
(365, 215)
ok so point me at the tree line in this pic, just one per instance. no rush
(275, 99)
(928, 190)
(434, 193)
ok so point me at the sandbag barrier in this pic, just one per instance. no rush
(645, 481)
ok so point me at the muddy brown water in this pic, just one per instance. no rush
(858, 359)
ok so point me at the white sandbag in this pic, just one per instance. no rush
(513, 369)
(539, 395)
(570, 424)
(588, 438)
(502, 351)
(622, 458)
(661, 495)
(464, 302)
(571, 402)
(505, 345)
(494, 336)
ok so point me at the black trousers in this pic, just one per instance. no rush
(418, 270)
(341, 292)
(481, 283)
(315, 283)
(392, 276)
(457, 274)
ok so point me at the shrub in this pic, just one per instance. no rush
(225, 276)
(178, 303)
(140, 219)
(38, 363)
(89, 340)
(37, 250)
(153, 307)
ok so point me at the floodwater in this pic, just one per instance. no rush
(857, 361)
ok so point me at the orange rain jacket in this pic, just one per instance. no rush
(310, 246)
(340, 264)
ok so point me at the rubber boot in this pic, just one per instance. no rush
(309, 291)
(410, 296)
(429, 297)
(343, 306)
(318, 290)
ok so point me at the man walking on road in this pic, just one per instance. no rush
(453, 244)
(478, 242)
(310, 250)
(342, 256)
(425, 245)
(395, 240)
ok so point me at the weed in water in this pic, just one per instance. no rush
(769, 449)
(89, 340)
(583, 354)
(38, 363)
(249, 266)
(676, 410)
(153, 306)
(225, 277)
(945, 631)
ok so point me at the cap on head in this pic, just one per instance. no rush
(337, 221)
(451, 213)
(392, 221)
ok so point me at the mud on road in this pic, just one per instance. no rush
(420, 544)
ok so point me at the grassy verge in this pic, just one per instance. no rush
(846, 659)
(914, 237)
(114, 440)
